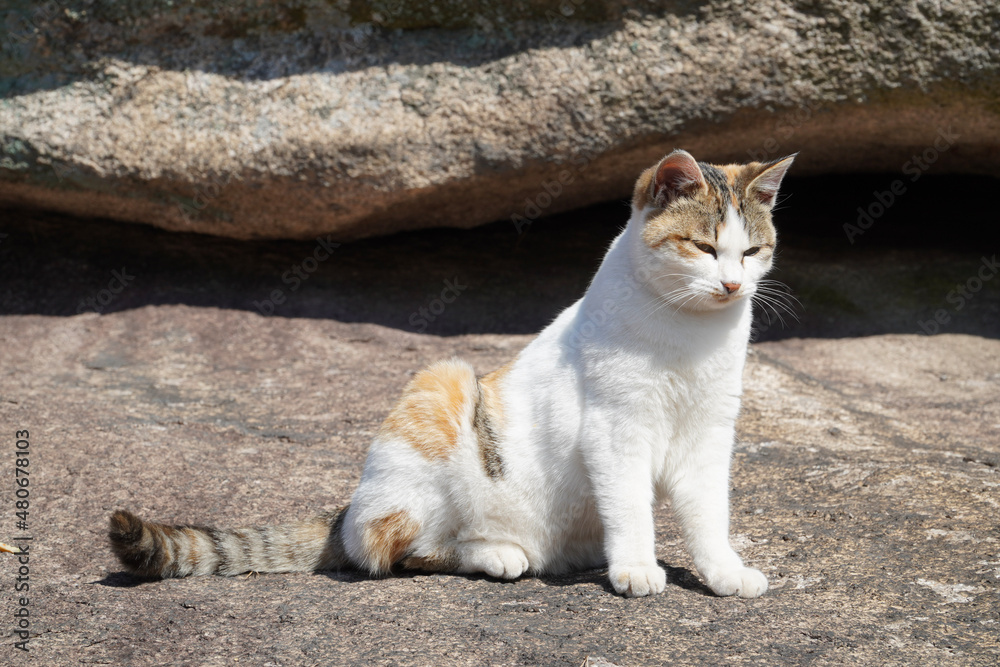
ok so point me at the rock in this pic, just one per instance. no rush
(291, 120)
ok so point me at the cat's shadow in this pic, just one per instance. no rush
(676, 576)
(680, 577)
(124, 580)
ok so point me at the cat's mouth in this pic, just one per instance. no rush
(730, 297)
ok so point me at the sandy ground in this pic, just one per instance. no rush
(866, 482)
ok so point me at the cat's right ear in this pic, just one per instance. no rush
(677, 175)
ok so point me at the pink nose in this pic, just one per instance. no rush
(731, 287)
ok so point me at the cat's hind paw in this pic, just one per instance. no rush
(744, 582)
(636, 581)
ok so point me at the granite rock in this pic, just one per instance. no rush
(292, 119)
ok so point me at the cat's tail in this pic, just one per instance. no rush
(158, 550)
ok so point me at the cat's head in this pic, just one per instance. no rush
(707, 236)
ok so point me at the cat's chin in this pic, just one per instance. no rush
(714, 302)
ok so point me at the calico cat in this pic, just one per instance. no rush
(556, 461)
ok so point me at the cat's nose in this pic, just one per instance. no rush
(731, 287)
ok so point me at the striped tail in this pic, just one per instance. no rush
(157, 550)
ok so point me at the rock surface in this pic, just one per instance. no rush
(866, 483)
(287, 120)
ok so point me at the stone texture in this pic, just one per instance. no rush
(287, 120)
(866, 482)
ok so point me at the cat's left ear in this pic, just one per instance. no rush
(765, 186)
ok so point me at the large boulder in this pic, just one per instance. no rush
(290, 119)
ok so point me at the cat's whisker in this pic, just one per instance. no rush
(778, 290)
(777, 286)
(694, 295)
(677, 275)
(776, 301)
(785, 307)
(775, 307)
(768, 313)
(668, 300)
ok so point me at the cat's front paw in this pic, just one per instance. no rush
(744, 582)
(636, 581)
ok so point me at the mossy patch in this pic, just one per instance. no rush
(827, 298)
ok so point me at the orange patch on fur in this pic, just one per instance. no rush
(194, 546)
(430, 413)
(443, 561)
(732, 172)
(164, 540)
(642, 196)
(656, 235)
(312, 532)
(305, 535)
(387, 539)
(686, 249)
(491, 391)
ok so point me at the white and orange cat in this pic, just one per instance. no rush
(556, 461)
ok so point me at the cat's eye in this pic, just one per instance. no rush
(752, 251)
(704, 247)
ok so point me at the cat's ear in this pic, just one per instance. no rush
(677, 175)
(765, 187)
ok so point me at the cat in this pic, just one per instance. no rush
(556, 461)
